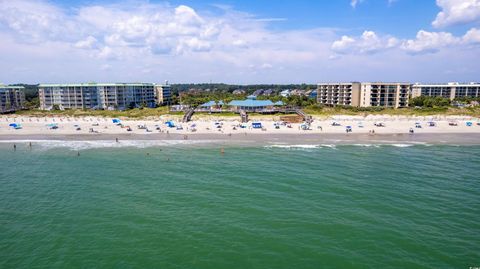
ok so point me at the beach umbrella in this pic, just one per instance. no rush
(13, 125)
(115, 120)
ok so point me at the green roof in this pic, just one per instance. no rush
(12, 87)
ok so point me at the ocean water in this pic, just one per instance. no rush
(176, 205)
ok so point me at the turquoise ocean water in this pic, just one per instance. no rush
(252, 207)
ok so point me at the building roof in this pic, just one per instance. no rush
(251, 103)
(6, 87)
(448, 85)
(94, 84)
(212, 103)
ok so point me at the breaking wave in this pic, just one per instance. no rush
(98, 144)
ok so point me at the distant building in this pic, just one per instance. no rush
(451, 90)
(163, 94)
(257, 92)
(12, 98)
(211, 106)
(251, 105)
(268, 92)
(312, 94)
(298, 92)
(365, 94)
(111, 96)
(285, 93)
(239, 92)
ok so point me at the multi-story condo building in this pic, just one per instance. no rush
(96, 95)
(163, 94)
(382, 94)
(12, 98)
(451, 90)
(364, 94)
(344, 94)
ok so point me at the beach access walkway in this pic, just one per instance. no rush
(244, 116)
(188, 115)
(307, 118)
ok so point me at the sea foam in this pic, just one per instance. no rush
(97, 144)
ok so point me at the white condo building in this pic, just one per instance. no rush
(112, 96)
(450, 90)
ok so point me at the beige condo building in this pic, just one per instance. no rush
(343, 94)
(163, 94)
(364, 94)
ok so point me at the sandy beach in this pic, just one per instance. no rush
(395, 128)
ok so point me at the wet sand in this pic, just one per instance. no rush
(239, 139)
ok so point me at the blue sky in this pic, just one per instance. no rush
(239, 41)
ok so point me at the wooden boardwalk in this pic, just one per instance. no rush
(188, 115)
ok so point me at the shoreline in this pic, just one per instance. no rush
(257, 139)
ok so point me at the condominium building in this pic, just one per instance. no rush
(12, 98)
(450, 90)
(343, 94)
(163, 94)
(380, 94)
(109, 96)
(364, 94)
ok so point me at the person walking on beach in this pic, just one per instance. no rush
(14, 147)
(116, 139)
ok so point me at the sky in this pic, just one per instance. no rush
(239, 41)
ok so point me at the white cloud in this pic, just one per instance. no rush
(369, 42)
(344, 44)
(425, 42)
(88, 43)
(143, 41)
(354, 3)
(430, 42)
(472, 36)
(457, 12)
(34, 21)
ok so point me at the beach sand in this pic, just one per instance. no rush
(396, 129)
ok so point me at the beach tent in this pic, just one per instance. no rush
(115, 120)
(15, 125)
(170, 124)
(256, 125)
(52, 126)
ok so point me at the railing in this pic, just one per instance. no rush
(244, 116)
(188, 115)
